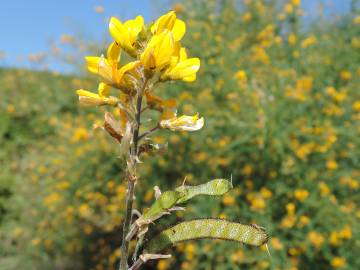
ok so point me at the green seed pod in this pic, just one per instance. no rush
(167, 200)
(207, 228)
(214, 187)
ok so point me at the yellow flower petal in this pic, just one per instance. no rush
(120, 34)
(183, 123)
(127, 67)
(166, 21)
(184, 70)
(114, 52)
(159, 51)
(103, 90)
(189, 78)
(92, 63)
(106, 71)
(126, 34)
(179, 30)
(87, 98)
(169, 22)
(134, 27)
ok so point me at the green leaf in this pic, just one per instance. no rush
(208, 228)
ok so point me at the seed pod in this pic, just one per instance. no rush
(208, 228)
(214, 187)
(167, 200)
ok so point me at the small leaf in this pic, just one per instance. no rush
(208, 228)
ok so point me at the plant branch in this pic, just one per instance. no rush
(146, 133)
(131, 178)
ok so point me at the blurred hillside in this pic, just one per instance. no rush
(282, 110)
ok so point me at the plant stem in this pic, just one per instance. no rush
(146, 133)
(131, 179)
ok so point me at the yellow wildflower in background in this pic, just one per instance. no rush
(309, 41)
(228, 200)
(301, 194)
(296, 2)
(247, 17)
(345, 75)
(356, 106)
(316, 239)
(324, 189)
(292, 39)
(241, 76)
(276, 243)
(331, 164)
(338, 262)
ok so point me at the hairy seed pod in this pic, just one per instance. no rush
(167, 200)
(214, 187)
(208, 228)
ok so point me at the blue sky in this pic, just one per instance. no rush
(28, 26)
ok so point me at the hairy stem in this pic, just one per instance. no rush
(131, 179)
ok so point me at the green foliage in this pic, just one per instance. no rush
(281, 107)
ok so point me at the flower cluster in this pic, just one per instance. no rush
(157, 57)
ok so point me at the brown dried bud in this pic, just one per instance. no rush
(112, 126)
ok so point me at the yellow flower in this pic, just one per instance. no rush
(228, 200)
(171, 23)
(356, 20)
(290, 208)
(338, 262)
(163, 265)
(276, 243)
(311, 40)
(125, 34)
(292, 39)
(345, 75)
(356, 106)
(80, 134)
(107, 68)
(331, 164)
(265, 193)
(52, 199)
(35, 241)
(316, 239)
(324, 189)
(296, 2)
(158, 51)
(241, 76)
(246, 17)
(334, 239)
(258, 203)
(304, 220)
(288, 8)
(182, 68)
(183, 123)
(346, 232)
(301, 194)
(84, 210)
(88, 98)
